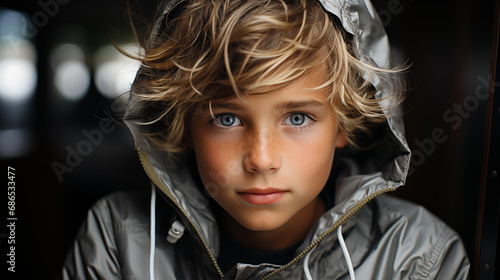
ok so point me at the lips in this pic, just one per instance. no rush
(267, 196)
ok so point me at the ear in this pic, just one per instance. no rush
(340, 141)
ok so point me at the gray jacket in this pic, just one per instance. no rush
(381, 236)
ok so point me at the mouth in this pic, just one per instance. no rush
(266, 196)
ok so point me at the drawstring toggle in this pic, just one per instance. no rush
(175, 232)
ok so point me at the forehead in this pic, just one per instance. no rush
(304, 91)
(290, 72)
(311, 80)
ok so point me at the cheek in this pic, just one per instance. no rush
(316, 147)
(214, 159)
(314, 157)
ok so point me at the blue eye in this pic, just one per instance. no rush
(297, 119)
(226, 120)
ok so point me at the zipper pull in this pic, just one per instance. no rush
(175, 232)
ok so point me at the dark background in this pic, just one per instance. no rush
(448, 44)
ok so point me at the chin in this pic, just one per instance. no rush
(260, 224)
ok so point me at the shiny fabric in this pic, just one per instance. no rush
(387, 238)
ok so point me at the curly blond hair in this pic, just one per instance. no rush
(204, 50)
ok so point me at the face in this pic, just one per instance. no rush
(264, 158)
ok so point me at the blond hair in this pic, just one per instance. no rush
(210, 49)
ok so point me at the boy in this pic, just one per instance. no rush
(238, 112)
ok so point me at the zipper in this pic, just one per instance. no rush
(347, 215)
(161, 186)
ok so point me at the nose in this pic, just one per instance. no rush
(262, 155)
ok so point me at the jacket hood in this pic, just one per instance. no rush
(363, 175)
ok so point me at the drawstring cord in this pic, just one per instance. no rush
(346, 252)
(306, 265)
(152, 234)
(174, 233)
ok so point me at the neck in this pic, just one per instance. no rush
(292, 232)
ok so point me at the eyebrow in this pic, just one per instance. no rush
(285, 105)
(288, 105)
(227, 105)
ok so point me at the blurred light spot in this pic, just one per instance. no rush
(114, 71)
(18, 78)
(64, 53)
(15, 143)
(72, 79)
(126, 76)
(18, 73)
(105, 76)
(11, 23)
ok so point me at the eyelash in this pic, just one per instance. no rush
(216, 121)
(307, 123)
(216, 118)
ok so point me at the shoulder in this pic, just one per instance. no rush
(116, 214)
(395, 207)
(392, 210)
(101, 243)
(123, 204)
(412, 222)
(424, 245)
